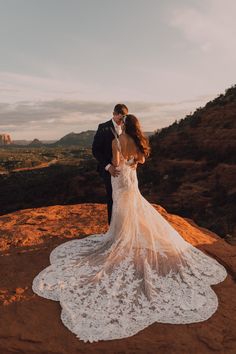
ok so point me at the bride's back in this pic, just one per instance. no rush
(129, 148)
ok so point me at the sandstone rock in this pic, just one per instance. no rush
(5, 139)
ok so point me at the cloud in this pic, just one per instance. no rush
(212, 28)
(17, 87)
(55, 118)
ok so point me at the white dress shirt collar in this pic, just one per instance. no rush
(115, 124)
(117, 127)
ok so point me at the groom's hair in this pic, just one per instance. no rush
(121, 108)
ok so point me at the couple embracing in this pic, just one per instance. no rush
(122, 129)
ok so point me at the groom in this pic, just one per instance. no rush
(102, 150)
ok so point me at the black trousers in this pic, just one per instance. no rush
(107, 181)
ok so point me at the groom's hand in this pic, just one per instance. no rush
(133, 165)
(113, 171)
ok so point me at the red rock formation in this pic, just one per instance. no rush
(31, 324)
(5, 139)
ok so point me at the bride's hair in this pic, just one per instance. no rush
(133, 129)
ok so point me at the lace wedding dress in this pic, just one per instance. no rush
(139, 272)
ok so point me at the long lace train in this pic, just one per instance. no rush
(139, 272)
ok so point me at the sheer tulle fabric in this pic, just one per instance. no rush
(141, 271)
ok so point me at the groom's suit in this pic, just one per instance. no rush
(102, 151)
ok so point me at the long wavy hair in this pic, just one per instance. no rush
(133, 129)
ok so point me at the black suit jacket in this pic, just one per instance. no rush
(102, 146)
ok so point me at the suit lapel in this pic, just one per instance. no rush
(111, 128)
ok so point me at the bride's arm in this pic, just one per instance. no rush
(115, 154)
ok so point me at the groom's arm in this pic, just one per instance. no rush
(97, 148)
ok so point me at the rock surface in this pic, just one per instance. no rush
(31, 324)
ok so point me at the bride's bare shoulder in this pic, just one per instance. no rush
(125, 138)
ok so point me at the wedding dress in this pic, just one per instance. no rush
(139, 272)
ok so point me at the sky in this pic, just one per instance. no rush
(66, 63)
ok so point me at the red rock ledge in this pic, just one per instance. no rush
(31, 324)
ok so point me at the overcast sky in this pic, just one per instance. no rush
(66, 63)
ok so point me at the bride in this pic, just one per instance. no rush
(139, 272)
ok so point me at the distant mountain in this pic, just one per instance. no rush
(35, 143)
(192, 168)
(83, 139)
